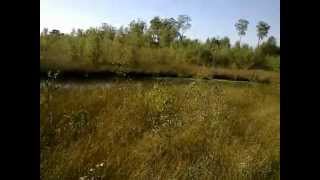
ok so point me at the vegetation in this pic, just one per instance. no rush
(161, 47)
(182, 128)
(242, 26)
(159, 130)
(262, 29)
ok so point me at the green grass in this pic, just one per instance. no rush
(160, 130)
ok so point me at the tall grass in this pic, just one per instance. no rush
(159, 130)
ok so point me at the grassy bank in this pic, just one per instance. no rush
(159, 130)
(143, 71)
(159, 49)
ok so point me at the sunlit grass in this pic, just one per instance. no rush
(160, 130)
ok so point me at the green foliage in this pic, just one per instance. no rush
(267, 56)
(270, 47)
(243, 57)
(241, 27)
(262, 30)
(206, 57)
(223, 58)
(183, 23)
(273, 63)
(139, 47)
(217, 43)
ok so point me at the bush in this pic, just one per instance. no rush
(222, 58)
(243, 57)
(206, 57)
(273, 63)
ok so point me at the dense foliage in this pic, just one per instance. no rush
(162, 43)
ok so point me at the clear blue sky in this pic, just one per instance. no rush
(210, 18)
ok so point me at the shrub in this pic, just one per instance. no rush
(222, 58)
(273, 63)
(243, 57)
(206, 57)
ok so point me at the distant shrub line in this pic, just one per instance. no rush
(158, 48)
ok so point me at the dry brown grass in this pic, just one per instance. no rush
(153, 130)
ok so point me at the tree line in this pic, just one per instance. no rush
(163, 42)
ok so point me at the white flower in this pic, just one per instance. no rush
(101, 164)
(91, 169)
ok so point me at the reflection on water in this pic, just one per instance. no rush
(108, 83)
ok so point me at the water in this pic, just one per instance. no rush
(108, 83)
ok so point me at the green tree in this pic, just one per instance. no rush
(183, 23)
(121, 34)
(262, 30)
(225, 42)
(217, 43)
(95, 42)
(136, 33)
(155, 27)
(168, 31)
(108, 31)
(242, 27)
(270, 47)
(137, 27)
(163, 31)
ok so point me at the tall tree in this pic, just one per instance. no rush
(163, 31)
(242, 26)
(169, 31)
(262, 30)
(137, 27)
(108, 31)
(136, 32)
(155, 27)
(183, 23)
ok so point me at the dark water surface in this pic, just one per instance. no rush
(108, 83)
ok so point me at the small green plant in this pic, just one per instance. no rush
(50, 87)
(49, 84)
(79, 120)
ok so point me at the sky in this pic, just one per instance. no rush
(210, 18)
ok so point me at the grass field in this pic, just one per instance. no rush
(159, 129)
